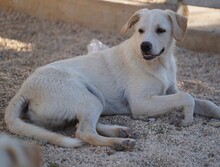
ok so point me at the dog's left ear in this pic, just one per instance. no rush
(131, 22)
(179, 25)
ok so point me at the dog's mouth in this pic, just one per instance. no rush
(148, 56)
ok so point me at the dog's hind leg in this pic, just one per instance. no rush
(115, 131)
(206, 108)
(86, 130)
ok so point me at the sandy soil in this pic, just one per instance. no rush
(27, 43)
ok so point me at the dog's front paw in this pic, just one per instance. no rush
(126, 133)
(185, 122)
(126, 144)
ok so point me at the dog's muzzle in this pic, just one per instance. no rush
(148, 56)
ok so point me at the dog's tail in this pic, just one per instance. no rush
(18, 126)
(182, 8)
(206, 108)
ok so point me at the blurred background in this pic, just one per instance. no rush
(110, 15)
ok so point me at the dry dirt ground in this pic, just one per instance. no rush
(27, 43)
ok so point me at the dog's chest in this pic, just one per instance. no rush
(166, 81)
(159, 82)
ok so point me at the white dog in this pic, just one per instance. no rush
(137, 77)
(14, 153)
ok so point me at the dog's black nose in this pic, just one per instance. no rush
(146, 46)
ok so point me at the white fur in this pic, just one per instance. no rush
(113, 81)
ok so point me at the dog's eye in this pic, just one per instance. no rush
(141, 31)
(160, 30)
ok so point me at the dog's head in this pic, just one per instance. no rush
(155, 31)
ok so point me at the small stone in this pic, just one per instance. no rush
(43, 142)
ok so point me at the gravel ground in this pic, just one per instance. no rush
(27, 43)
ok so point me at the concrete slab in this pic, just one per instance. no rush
(110, 15)
(105, 15)
(203, 30)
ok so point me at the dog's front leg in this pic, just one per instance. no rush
(158, 105)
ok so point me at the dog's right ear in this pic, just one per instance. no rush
(131, 22)
(134, 19)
